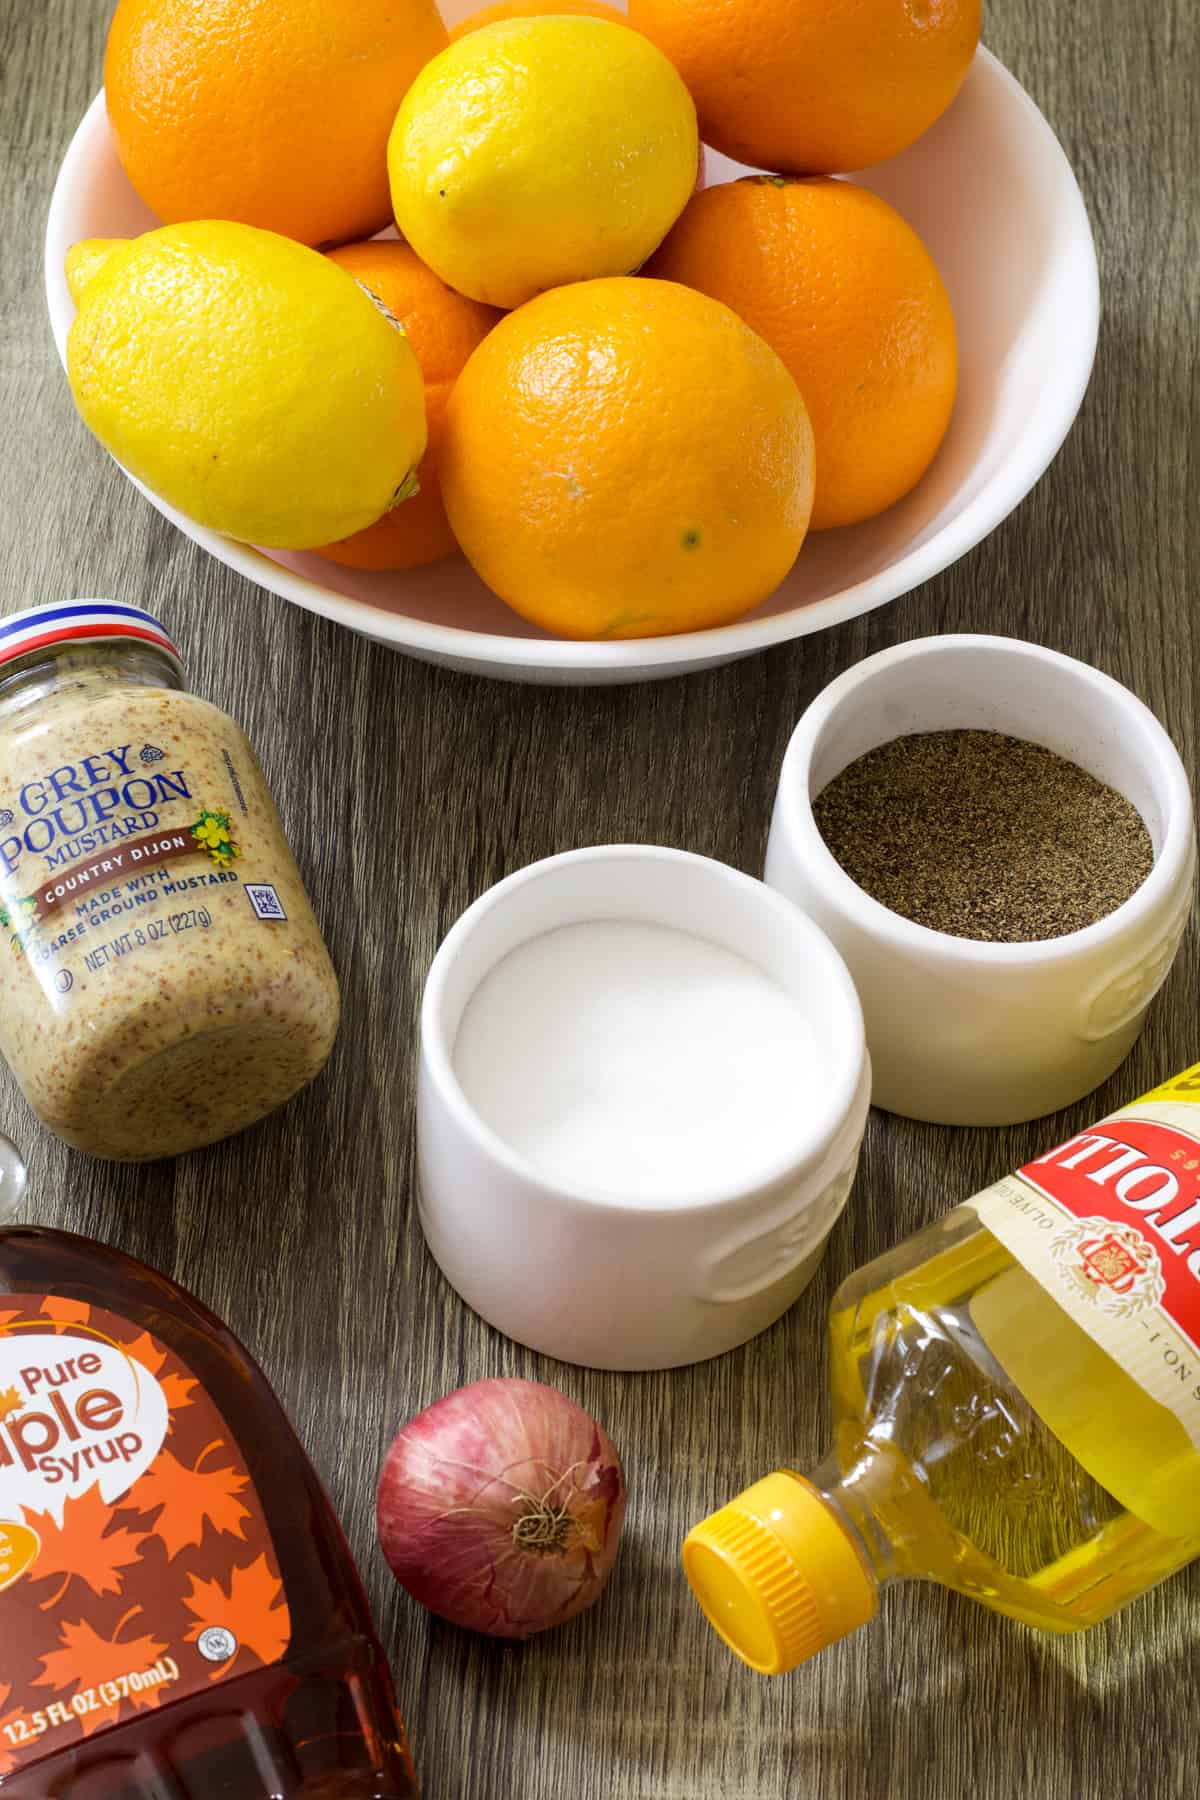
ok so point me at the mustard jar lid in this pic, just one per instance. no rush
(77, 621)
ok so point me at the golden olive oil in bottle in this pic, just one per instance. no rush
(1016, 1397)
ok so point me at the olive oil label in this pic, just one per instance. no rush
(1109, 1224)
(136, 1566)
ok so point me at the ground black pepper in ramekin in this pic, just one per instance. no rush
(984, 836)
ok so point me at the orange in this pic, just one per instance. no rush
(270, 115)
(530, 9)
(843, 288)
(625, 458)
(815, 87)
(443, 328)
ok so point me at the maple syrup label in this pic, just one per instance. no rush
(1109, 1224)
(136, 1566)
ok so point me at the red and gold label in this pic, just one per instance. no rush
(136, 1565)
(1109, 1224)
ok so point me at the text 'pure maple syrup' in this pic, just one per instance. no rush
(180, 1616)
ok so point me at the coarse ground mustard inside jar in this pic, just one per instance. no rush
(163, 982)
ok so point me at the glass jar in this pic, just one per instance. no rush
(163, 982)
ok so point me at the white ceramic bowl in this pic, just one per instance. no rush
(591, 1276)
(993, 196)
(969, 1033)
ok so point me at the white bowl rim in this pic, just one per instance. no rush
(997, 498)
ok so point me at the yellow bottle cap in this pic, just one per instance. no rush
(778, 1574)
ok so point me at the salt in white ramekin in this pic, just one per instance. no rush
(591, 1277)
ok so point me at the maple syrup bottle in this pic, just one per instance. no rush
(180, 1616)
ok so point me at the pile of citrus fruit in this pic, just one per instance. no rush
(625, 396)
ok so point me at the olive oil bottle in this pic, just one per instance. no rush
(1016, 1395)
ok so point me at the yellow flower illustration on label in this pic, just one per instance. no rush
(214, 834)
(18, 917)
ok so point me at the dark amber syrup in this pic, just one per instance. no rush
(319, 1725)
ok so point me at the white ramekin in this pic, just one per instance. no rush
(635, 1284)
(968, 1033)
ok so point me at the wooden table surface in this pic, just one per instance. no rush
(406, 791)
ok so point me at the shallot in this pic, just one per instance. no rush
(500, 1508)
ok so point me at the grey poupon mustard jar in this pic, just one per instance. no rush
(163, 982)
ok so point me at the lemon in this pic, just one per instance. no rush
(248, 381)
(541, 151)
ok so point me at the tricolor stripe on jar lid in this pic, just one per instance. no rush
(77, 620)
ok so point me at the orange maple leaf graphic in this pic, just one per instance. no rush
(84, 1546)
(67, 1312)
(8, 1758)
(11, 1401)
(177, 1388)
(187, 1500)
(253, 1610)
(144, 1350)
(86, 1659)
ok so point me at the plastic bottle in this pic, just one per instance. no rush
(1016, 1397)
(180, 1616)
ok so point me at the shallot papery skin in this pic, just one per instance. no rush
(500, 1508)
